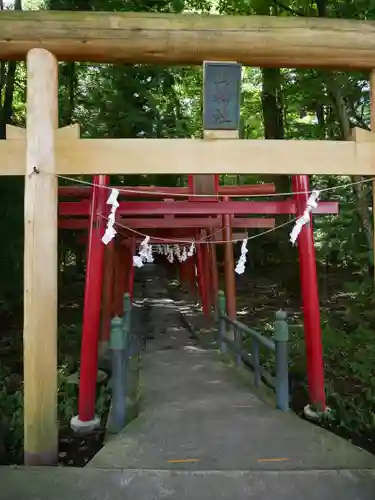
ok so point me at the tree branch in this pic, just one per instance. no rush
(288, 9)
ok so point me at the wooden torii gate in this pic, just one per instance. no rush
(44, 37)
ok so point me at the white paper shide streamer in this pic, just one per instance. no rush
(181, 253)
(191, 249)
(144, 253)
(184, 255)
(240, 267)
(170, 255)
(110, 231)
(312, 202)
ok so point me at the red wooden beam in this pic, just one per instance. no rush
(161, 223)
(154, 208)
(152, 191)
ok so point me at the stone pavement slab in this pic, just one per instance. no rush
(91, 484)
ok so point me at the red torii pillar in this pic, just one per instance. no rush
(206, 253)
(202, 275)
(310, 297)
(229, 276)
(119, 282)
(187, 274)
(214, 277)
(91, 312)
(130, 270)
(183, 273)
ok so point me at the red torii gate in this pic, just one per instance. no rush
(67, 210)
(176, 217)
(94, 212)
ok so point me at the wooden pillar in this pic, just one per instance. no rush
(131, 268)
(126, 264)
(207, 272)
(372, 124)
(213, 269)
(118, 282)
(221, 117)
(184, 272)
(229, 276)
(187, 275)
(191, 270)
(127, 267)
(203, 184)
(201, 278)
(40, 262)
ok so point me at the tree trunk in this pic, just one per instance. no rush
(273, 120)
(7, 78)
(272, 104)
(7, 110)
(360, 190)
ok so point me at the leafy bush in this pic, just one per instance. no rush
(349, 352)
(11, 409)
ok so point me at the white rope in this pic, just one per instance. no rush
(217, 196)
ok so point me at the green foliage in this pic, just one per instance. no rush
(11, 408)
(11, 416)
(349, 350)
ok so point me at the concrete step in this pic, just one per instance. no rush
(93, 484)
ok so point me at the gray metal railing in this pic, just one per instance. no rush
(124, 349)
(278, 344)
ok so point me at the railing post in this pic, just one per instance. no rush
(281, 337)
(256, 361)
(222, 326)
(130, 359)
(238, 346)
(117, 347)
(126, 325)
(128, 351)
